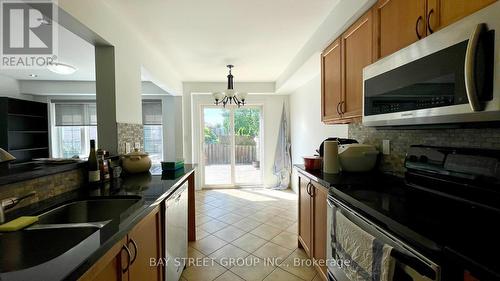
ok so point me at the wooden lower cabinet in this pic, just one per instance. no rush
(129, 258)
(320, 208)
(305, 209)
(313, 230)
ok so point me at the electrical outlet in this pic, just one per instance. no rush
(386, 147)
(128, 147)
(137, 145)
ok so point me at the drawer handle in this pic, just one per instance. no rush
(135, 250)
(124, 247)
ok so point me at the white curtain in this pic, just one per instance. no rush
(75, 114)
(282, 168)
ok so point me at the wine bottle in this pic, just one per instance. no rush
(93, 166)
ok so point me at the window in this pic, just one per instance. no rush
(153, 129)
(75, 125)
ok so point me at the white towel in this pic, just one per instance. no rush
(370, 259)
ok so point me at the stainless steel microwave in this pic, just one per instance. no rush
(451, 76)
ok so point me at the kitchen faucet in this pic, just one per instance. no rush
(9, 203)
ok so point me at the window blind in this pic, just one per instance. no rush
(75, 114)
(151, 112)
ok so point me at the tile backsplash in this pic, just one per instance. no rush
(401, 139)
(129, 133)
(45, 187)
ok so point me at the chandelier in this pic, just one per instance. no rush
(229, 96)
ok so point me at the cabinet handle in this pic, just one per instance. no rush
(307, 188)
(338, 110)
(429, 21)
(417, 27)
(124, 247)
(342, 107)
(135, 250)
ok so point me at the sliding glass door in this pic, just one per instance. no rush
(231, 146)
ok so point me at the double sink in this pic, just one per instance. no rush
(60, 229)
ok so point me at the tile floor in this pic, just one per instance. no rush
(246, 234)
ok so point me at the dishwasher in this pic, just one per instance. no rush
(176, 209)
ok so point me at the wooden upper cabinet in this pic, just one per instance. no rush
(331, 88)
(441, 13)
(357, 52)
(398, 23)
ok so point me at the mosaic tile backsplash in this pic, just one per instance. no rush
(402, 139)
(129, 133)
(45, 187)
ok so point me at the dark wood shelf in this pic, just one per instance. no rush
(28, 149)
(27, 115)
(27, 132)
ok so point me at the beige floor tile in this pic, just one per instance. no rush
(297, 264)
(265, 231)
(230, 218)
(200, 233)
(294, 228)
(247, 224)
(249, 242)
(229, 276)
(215, 212)
(317, 278)
(203, 273)
(254, 269)
(213, 226)
(280, 222)
(208, 244)
(245, 211)
(228, 255)
(281, 275)
(271, 250)
(286, 239)
(262, 216)
(201, 219)
(229, 233)
(195, 254)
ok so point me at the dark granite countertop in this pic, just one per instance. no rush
(28, 171)
(152, 188)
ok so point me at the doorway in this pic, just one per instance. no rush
(231, 146)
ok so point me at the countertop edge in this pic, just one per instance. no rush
(130, 223)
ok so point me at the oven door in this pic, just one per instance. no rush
(409, 264)
(447, 77)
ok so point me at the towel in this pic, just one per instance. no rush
(370, 259)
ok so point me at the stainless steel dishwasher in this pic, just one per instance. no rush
(176, 233)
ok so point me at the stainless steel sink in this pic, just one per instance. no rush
(33, 248)
(91, 211)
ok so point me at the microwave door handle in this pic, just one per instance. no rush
(470, 67)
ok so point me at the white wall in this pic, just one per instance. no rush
(271, 106)
(9, 87)
(307, 130)
(132, 52)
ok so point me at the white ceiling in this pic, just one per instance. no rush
(72, 50)
(260, 37)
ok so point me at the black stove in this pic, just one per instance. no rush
(447, 206)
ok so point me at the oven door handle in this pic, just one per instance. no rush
(470, 67)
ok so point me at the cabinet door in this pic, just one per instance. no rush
(320, 208)
(357, 53)
(112, 266)
(441, 13)
(305, 208)
(398, 23)
(145, 243)
(331, 82)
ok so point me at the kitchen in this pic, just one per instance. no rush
(398, 99)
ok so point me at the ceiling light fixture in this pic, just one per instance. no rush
(230, 96)
(61, 68)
